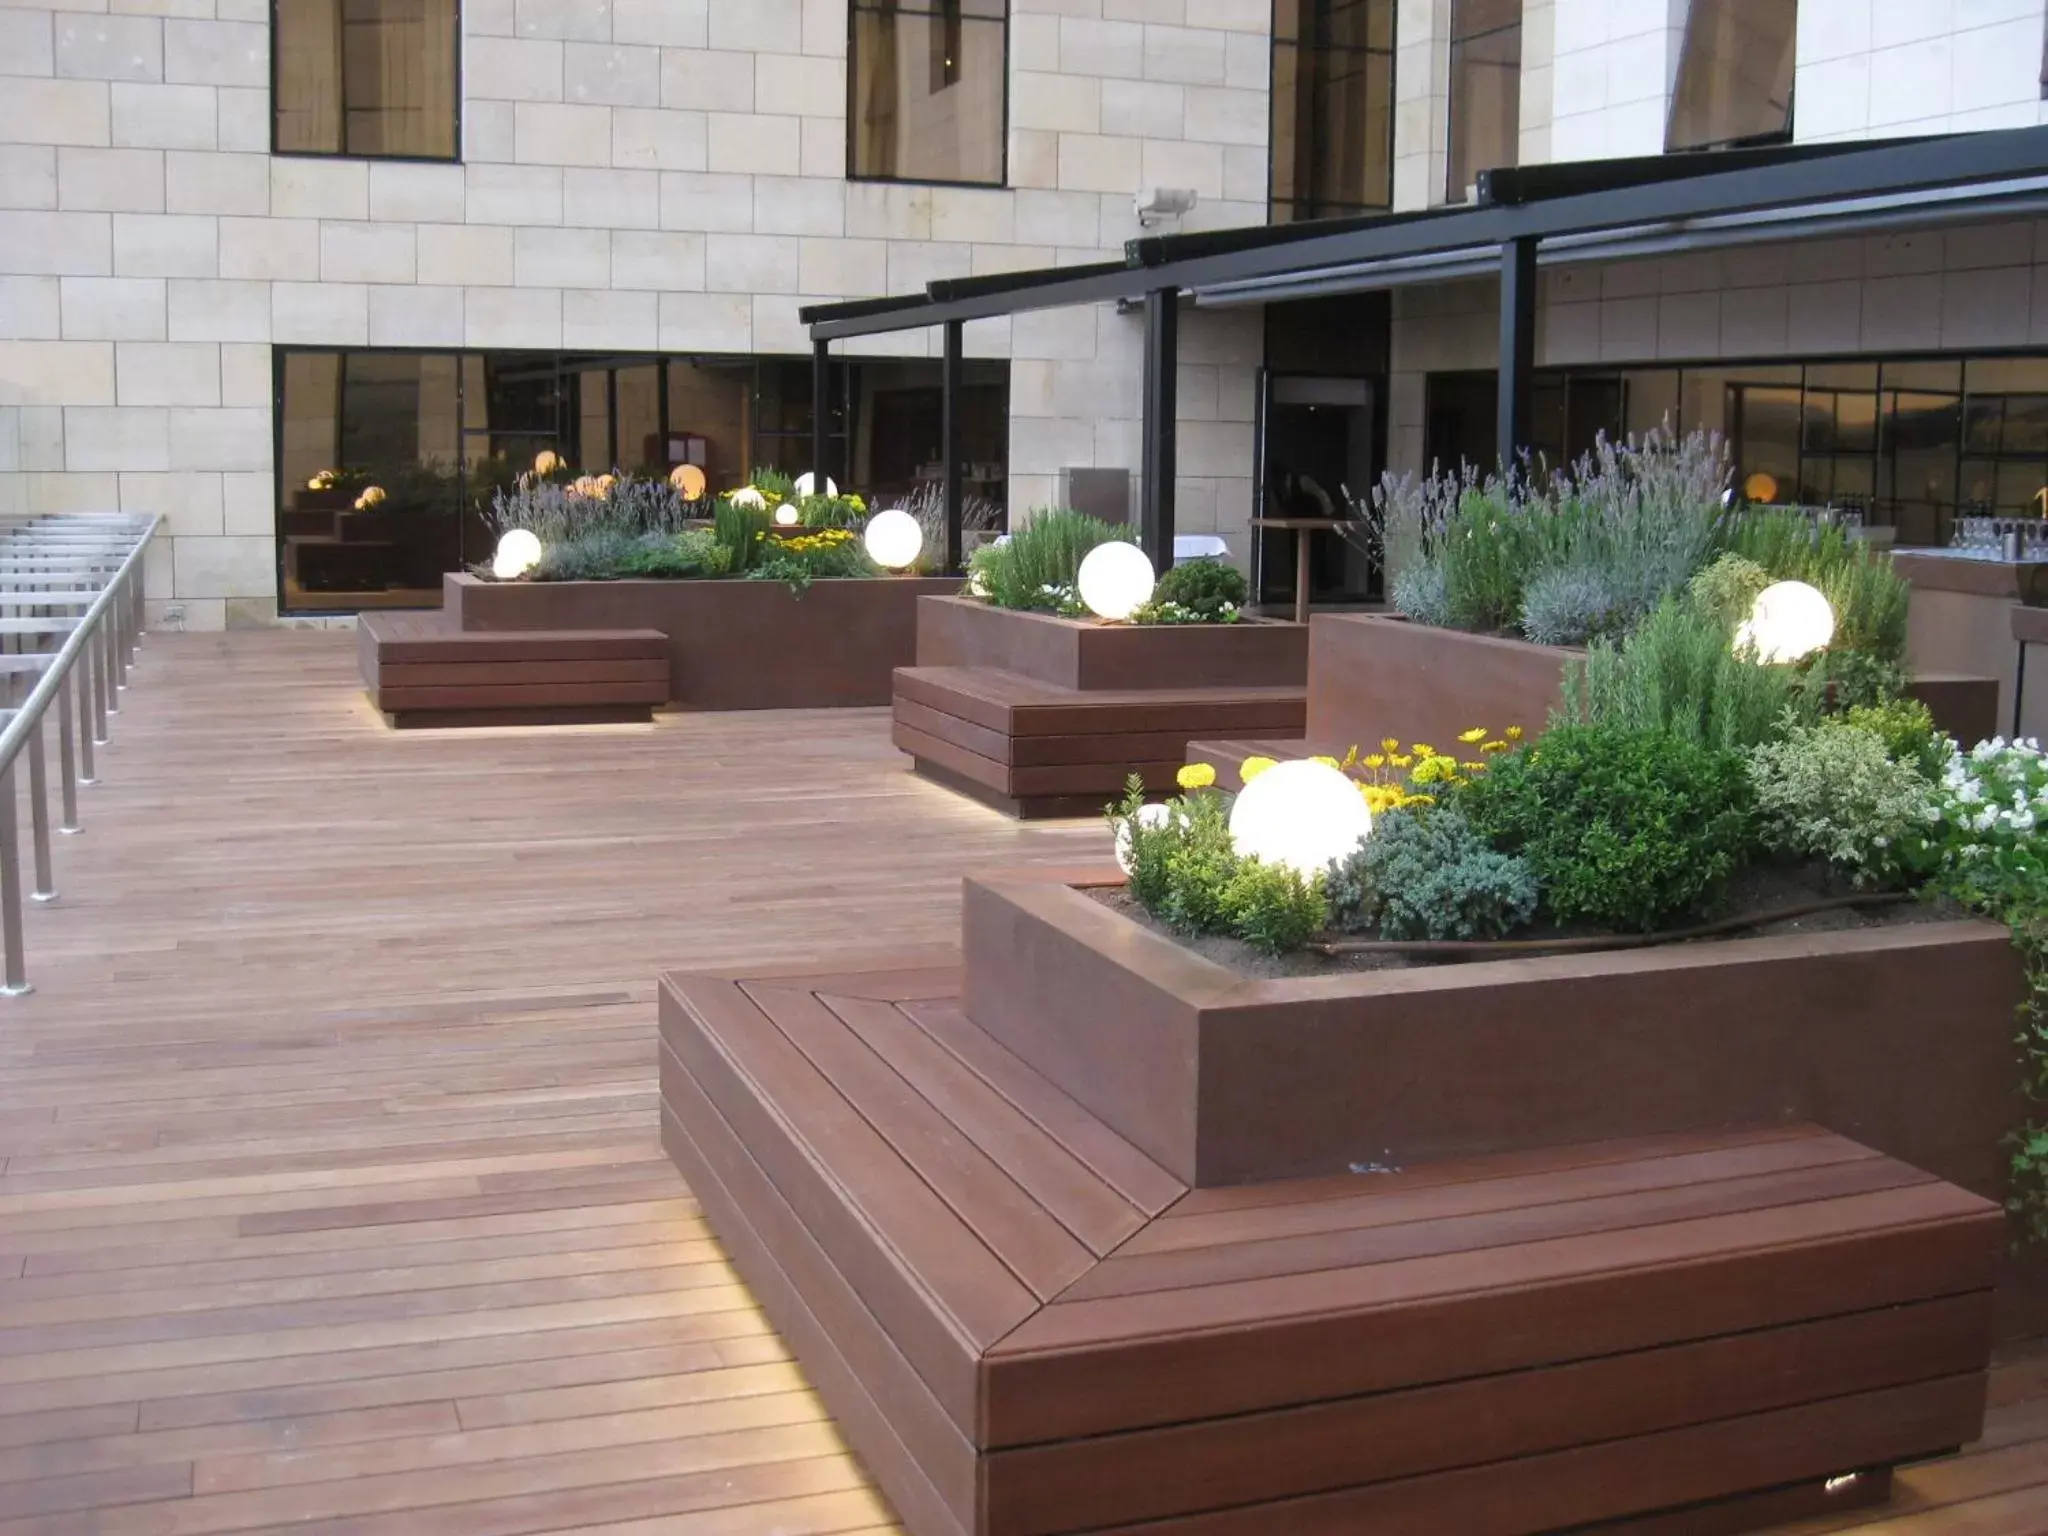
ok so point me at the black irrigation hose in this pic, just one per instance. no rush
(1477, 949)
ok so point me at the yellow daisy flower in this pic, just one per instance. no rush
(1475, 735)
(1401, 760)
(1389, 744)
(1513, 733)
(1376, 760)
(1423, 749)
(1493, 746)
(1252, 767)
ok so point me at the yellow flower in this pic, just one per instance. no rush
(1513, 733)
(1423, 749)
(1493, 746)
(1473, 767)
(1401, 760)
(1420, 800)
(1376, 760)
(1196, 776)
(370, 498)
(1476, 734)
(324, 481)
(546, 462)
(1327, 762)
(1252, 767)
(1389, 744)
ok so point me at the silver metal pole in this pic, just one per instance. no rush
(39, 816)
(10, 890)
(82, 675)
(67, 761)
(96, 658)
(103, 642)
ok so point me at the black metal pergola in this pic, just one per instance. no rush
(1609, 209)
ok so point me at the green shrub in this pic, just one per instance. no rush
(741, 530)
(695, 552)
(1869, 598)
(598, 555)
(1196, 592)
(1624, 828)
(1833, 791)
(1907, 730)
(1484, 552)
(1726, 591)
(1272, 908)
(1426, 874)
(1842, 680)
(773, 484)
(1038, 562)
(1417, 592)
(1678, 673)
(1571, 604)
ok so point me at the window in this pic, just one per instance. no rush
(928, 83)
(440, 432)
(1734, 75)
(1333, 108)
(1486, 90)
(370, 78)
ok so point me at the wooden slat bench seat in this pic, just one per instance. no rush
(422, 671)
(1033, 748)
(1026, 1328)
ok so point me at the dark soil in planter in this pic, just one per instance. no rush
(1757, 891)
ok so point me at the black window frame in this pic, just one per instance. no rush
(854, 10)
(454, 157)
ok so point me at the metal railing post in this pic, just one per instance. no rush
(96, 660)
(67, 761)
(10, 890)
(81, 678)
(39, 816)
(103, 639)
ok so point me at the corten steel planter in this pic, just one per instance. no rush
(733, 644)
(1087, 654)
(1899, 1037)
(1371, 676)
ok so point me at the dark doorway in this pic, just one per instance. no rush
(1318, 461)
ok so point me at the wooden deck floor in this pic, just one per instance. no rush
(330, 1198)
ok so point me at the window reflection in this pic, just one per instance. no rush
(929, 84)
(438, 433)
(1734, 74)
(365, 77)
(1333, 107)
(1486, 90)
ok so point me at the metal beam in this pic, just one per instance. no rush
(1162, 336)
(950, 372)
(821, 414)
(1517, 348)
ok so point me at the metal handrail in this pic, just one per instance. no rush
(100, 554)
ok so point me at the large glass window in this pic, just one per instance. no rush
(1734, 74)
(1333, 108)
(928, 85)
(1486, 90)
(371, 78)
(438, 433)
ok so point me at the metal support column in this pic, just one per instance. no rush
(10, 891)
(1155, 518)
(949, 439)
(1517, 346)
(821, 413)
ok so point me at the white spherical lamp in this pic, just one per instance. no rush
(1305, 815)
(1115, 580)
(518, 552)
(807, 483)
(1791, 620)
(785, 516)
(893, 539)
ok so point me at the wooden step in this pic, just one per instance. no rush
(1026, 1328)
(1036, 748)
(421, 670)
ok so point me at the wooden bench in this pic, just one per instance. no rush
(422, 671)
(1033, 748)
(1027, 1328)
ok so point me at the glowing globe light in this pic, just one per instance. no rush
(1115, 580)
(1304, 815)
(1790, 621)
(785, 516)
(1761, 486)
(689, 482)
(746, 496)
(894, 539)
(807, 483)
(518, 553)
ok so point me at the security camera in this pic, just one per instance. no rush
(1154, 204)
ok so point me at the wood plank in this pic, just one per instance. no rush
(463, 674)
(1187, 1469)
(520, 695)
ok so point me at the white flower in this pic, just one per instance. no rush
(1968, 793)
(2022, 821)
